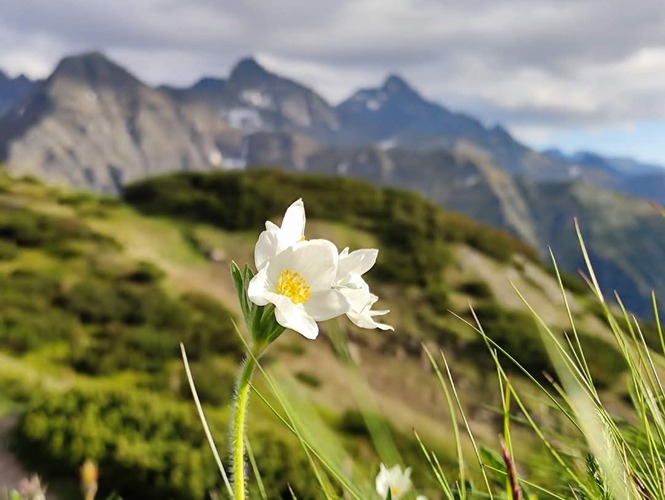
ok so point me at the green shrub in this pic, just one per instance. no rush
(27, 320)
(352, 422)
(413, 232)
(146, 446)
(8, 250)
(33, 229)
(96, 301)
(282, 463)
(308, 379)
(215, 381)
(438, 295)
(571, 282)
(477, 289)
(139, 327)
(605, 362)
(145, 272)
(516, 333)
(62, 250)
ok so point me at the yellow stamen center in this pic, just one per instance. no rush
(293, 285)
(394, 491)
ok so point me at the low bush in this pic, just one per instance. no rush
(477, 289)
(146, 446)
(516, 333)
(413, 232)
(8, 250)
(605, 362)
(140, 328)
(145, 272)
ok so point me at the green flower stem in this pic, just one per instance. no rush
(240, 410)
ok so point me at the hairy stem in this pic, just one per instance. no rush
(238, 442)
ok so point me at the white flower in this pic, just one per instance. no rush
(276, 239)
(361, 313)
(353, 265)
(393, 480)
(299, 282)
(349, 281)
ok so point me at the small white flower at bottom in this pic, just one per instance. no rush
(393, 480)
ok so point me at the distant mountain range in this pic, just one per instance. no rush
(13, 91)
(93, 125)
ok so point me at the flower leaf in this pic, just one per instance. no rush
(239, 284)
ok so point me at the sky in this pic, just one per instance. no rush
(573, 74)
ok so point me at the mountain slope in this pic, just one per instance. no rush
(625, 237)
(623, 175)
(253, 99)
(461, 180)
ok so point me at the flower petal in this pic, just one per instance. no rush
(382, 481)
(293, 316)
(256, 291)
(293, 223)
(352, 281)
(357, 262)
(314, 260)
(361, 313)
(326, 305)
(267, 246)
(366, 321)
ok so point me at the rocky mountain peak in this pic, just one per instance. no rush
(248, 71)
(93, 68)
(395, 84)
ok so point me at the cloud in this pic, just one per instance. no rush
(531, 64)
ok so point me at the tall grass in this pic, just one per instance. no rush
(598, 455)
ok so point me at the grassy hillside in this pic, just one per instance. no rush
(96, 297)
(626, 236)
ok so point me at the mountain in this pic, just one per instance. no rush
(459, 179)
(397, 115)
(253, 99)
(13, 91)
(93, 125)
(624, 175)
(217, 122)
(624, 234)
(207, 85)
(617, 164)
